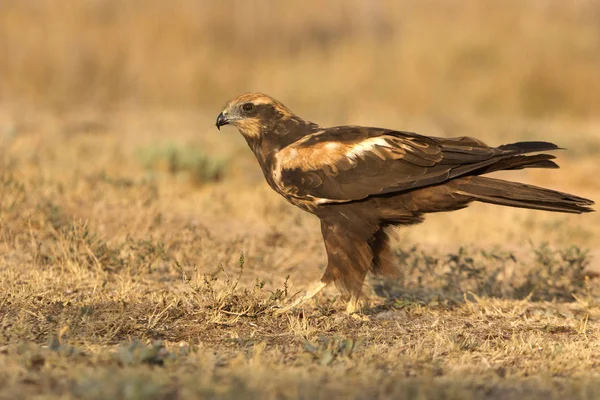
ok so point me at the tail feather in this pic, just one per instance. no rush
(514, 194)
(530, 147)
(519, 162)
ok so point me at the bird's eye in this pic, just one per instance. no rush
(248, 107)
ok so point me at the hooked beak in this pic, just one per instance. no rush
(221, 120)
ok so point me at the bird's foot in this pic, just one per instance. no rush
(310, 293)
(354, 305)
(354, 308)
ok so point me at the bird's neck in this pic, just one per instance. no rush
(288, 130)
(278, 135)
(275, 137)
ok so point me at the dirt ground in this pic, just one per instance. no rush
(132, 269)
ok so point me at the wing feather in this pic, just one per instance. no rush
(351, 163)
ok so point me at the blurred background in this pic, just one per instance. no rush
(532, 58)
(124, 93)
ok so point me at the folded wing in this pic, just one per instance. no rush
(351, 163)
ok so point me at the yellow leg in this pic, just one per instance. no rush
(353, 304)
(354, 307)
(310, 293)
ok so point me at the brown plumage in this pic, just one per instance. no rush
(360, 181)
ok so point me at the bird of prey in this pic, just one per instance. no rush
(361, 181)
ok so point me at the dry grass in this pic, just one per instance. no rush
(121, 280)
(431, 58)
(141, 253)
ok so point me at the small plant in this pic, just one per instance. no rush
(187, 161)
(136, 352)
(328, 349)
(225, 299)
(559, 274)
(75, 245)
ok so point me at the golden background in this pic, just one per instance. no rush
(115, 185)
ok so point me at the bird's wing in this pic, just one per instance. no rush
(351, 163)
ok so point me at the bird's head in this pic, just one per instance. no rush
(253, 114)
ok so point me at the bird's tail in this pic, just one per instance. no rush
(506, 193)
